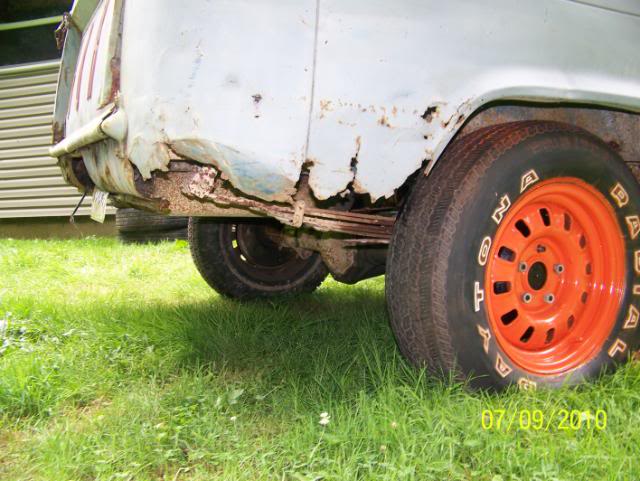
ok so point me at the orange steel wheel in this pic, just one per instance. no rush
(555, 277)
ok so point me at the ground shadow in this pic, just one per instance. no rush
(338, 337)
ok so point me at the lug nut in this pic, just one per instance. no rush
(527, 298)
(549, 298)
(558, 268)
(541, 248)
(522, 267)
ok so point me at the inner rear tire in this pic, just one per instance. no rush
(517, 261)
(241, 261)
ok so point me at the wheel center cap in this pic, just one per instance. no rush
(537, 276)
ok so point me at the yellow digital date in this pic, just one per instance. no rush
(538, 420)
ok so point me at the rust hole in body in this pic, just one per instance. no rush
(430, 113)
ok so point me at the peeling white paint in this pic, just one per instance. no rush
(226, 82)
(258, 88)
(380, 65)
(244, 171)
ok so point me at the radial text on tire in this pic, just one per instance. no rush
(517, 261)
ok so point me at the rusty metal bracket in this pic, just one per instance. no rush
(324, 220)
(298, 214)
(202, 183)
(205, 184)
(60, 33)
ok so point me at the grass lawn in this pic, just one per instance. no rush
(120, 363)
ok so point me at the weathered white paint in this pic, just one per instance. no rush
(227, 82)
(623, 6)
(382, 64)
(89, 133)
(89, 96)
(258, 88)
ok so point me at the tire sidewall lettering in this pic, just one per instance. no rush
(621, 197)
(483, 254)
(624, 336)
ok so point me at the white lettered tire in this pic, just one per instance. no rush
(517, 261)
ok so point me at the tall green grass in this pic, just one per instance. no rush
(118, 362)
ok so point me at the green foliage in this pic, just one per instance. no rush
(118, 362)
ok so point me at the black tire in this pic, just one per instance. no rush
(134, 220)
(238, 261)
(153, 237)
(436, 279)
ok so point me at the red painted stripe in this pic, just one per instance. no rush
(85, 47)
(96, 48)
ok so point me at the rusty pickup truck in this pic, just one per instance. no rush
(480, 153)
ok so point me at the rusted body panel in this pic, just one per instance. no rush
(360, 93)
(226, 83)
(396, 80)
